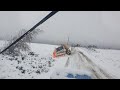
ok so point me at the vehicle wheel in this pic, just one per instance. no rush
(68, 52)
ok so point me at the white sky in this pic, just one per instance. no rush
(101, 28)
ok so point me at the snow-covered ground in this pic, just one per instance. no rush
(41, 65)
(38, 66)
(106, 59)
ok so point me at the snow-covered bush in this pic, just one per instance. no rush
(21, 45)
(92, 47)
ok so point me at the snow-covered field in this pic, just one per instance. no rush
(41, 65)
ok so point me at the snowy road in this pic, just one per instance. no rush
(80, 61)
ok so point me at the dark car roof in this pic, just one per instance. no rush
(59, 48)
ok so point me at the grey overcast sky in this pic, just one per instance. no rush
(101, 28)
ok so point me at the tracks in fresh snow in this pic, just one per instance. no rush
(82, 61)
(98, 72)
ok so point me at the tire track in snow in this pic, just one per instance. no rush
(90, 67)
(82, 61)
(67, 63)
(100, 74)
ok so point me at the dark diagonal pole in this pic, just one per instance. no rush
(33, 28)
